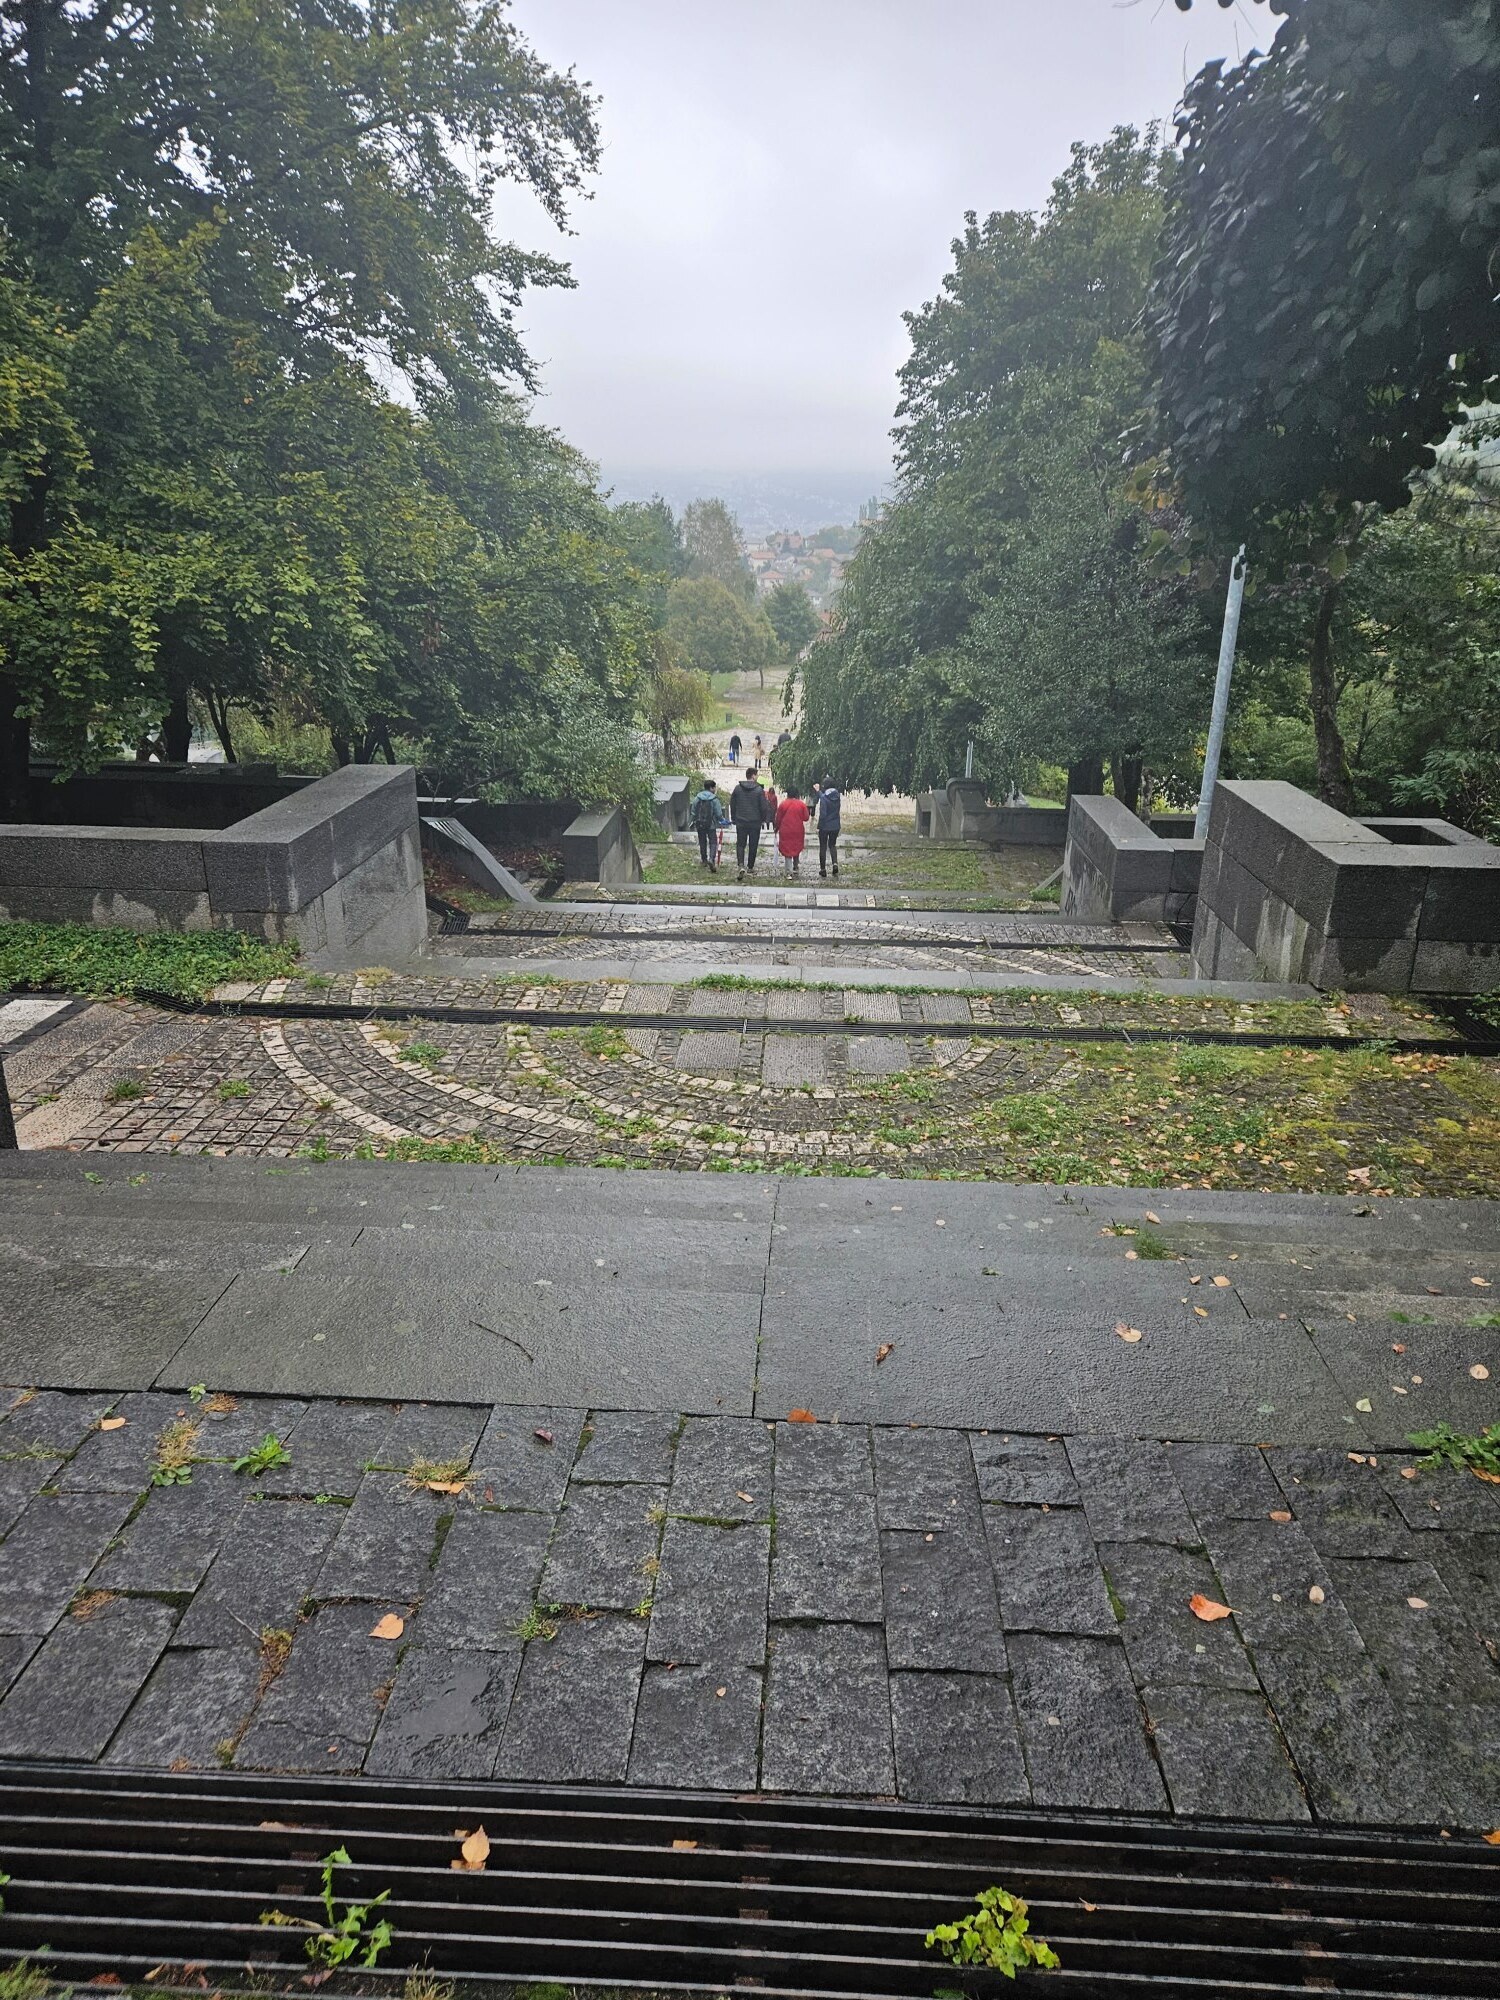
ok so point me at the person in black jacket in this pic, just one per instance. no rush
(750, 812)
(830, 822)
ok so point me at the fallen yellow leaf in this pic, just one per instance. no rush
(1493, 1838)
(748, 1498)
(1130, 1333)
(445, 1486)
(1222, 1283)
(389, 1627)
(1207, 1609)
(1280, 1514)
(800, 1417)
(113, 1423)
(1417, 1603)
(685, 1845)
(1201, 1311)
(1480, 1372)
(1483, 1283)
(475, 1850)
(1150, 1217)
(1317, 1595)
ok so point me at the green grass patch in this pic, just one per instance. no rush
(76, 958)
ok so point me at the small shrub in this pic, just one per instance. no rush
(997, 1935)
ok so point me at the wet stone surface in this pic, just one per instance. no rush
(939, 1615)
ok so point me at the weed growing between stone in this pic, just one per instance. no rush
(1479, 1454)
(997, 1935)
(346, 1934)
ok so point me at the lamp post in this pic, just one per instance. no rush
(1227, 646)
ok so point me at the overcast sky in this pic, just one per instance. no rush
(782, 178)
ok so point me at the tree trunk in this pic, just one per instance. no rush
(15, 758)
(1086, 777)
(177, 729)
(1333, 765)
(1127, 772)
(218, 711)
(340, 746)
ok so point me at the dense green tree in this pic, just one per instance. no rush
(714, 630)
(715, 547)
(793, 617)
(962, 615)
(649, 533)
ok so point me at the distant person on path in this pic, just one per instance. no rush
(791, 831)
(708, 816)
(760, 751)
(734, 748)
(830, 822)
(750, 812)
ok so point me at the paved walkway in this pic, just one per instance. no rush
(609, 1551)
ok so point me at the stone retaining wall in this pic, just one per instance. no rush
(335, 867)
(1116, 869)
(1293, 890)
(598, 847)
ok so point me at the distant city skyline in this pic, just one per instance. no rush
(780, 182)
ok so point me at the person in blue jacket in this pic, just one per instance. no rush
(708, 816)
(830, 822)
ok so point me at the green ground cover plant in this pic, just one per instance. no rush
(76, 958)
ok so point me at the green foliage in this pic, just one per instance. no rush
(264, 1457)
(75, 958)
(347, 1933)
(793, 617)
(714, 630)
(1324, 305)
(997, 1935)
(714, 547)
(1446, 1446)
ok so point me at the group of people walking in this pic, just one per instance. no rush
(752, 807)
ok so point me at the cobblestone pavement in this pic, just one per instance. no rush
(555, 1595)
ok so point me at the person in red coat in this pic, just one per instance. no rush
(791, 830)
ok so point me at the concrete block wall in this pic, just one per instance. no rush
(1293, 890)
(1117, 870)
(335, 867)
(598, 847)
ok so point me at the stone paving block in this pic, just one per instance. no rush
(1356, 1758)
(794, 1059)
(69, 1700)
(1470, 1566)
(486, 1580)
(195, 1700)
(1222, 1754)
(234, 1432)
(50, 1551)
(879, 1055)
(1267, 1569)
(826, 1562)
(924, 1479)
(647, 999)
(120, 1461)
(73, 1322)
(1082, 1726)
(697, 1727)
(940, 1600)
(52, 1419)
(822, 1458)
(433, 1434)
(265, 1567)
(719, 1461)
(1340, 1506)
(445, 1715)
(385, 1544)
(1427, 1650)
(628, 1446)
(944, 1007)
(21, 1479)
(605, 1538)
(707, 1053)
(175, 1537)
(514, 1467)
(828, 1718)
(333, 1444)
(1129, 1492)
(872, 1006)
(320, 1712)
(710, 1601)
(1047, 1571)
(1164, 1643)
(1229, 1482)
(15, 1650)
(1440, 1498)
(956, 1739)
(1027, 1471)
(573, 1710)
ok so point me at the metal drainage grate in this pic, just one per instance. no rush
(131, 1874)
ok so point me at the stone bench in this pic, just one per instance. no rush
(1118, 870)
(335, 867)
(1293, 890)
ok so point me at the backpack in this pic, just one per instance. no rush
(705, 811)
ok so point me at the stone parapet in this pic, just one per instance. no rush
(598, 847)
(1117, 870)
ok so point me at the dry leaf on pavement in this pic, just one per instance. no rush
(1480, 1372)
(1130, 1333)
(1317, 1595)
(475, 1850)
(1151, 1216)
(389, 1627)
(1222, 1283)
(113, 1423)
(1207, 1609)
(1201, 1311)
(445, 1485)
(1280, 1514)
(800, 1417)
(1493, 1838)
(686, 1845)
(885, 1347)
